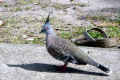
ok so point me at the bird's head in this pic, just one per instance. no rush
(47, 28)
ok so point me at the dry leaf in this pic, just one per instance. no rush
(2, 23)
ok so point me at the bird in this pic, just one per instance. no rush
(63, 50)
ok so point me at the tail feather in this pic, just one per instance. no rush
(103, 68)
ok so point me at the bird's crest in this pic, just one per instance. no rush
(47, 20)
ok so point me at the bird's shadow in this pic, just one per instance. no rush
(42, 67)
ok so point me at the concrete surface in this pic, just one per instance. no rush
(32, 62)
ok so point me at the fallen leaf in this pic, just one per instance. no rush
(2, 23)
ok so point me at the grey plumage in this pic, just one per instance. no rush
(65, 51)
(62, 49)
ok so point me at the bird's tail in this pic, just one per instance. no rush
(103, 68)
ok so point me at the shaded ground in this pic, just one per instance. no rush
(32, 62)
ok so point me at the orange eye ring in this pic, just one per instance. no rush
(45, 29)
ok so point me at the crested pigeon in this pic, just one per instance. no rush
(62, 49)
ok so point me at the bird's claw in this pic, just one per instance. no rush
(62, 68)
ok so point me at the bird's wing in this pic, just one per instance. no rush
(61, 51)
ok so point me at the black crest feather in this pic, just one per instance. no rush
(47, 20)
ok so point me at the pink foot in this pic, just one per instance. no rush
(62, 68)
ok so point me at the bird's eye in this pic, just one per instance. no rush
(45, 29)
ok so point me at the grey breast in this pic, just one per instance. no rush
(58, 50)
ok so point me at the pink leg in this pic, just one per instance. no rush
(63, 68)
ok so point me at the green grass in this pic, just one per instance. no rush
(115, 21)
(22, 2)
(59, 6)
(27, 8)
(25, 2)
(4, 5)
(113, 31)
(79, 4)
(38, 41)
(95, 34)
(65, 34)
(17, 40)
(12, 34)
(78, 30)
(72, 33)
(101, 17)
(18, 8)
(13, 22)
(64, 6)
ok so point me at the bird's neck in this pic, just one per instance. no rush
(50, 38)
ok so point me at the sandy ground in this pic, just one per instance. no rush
(32, 62)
